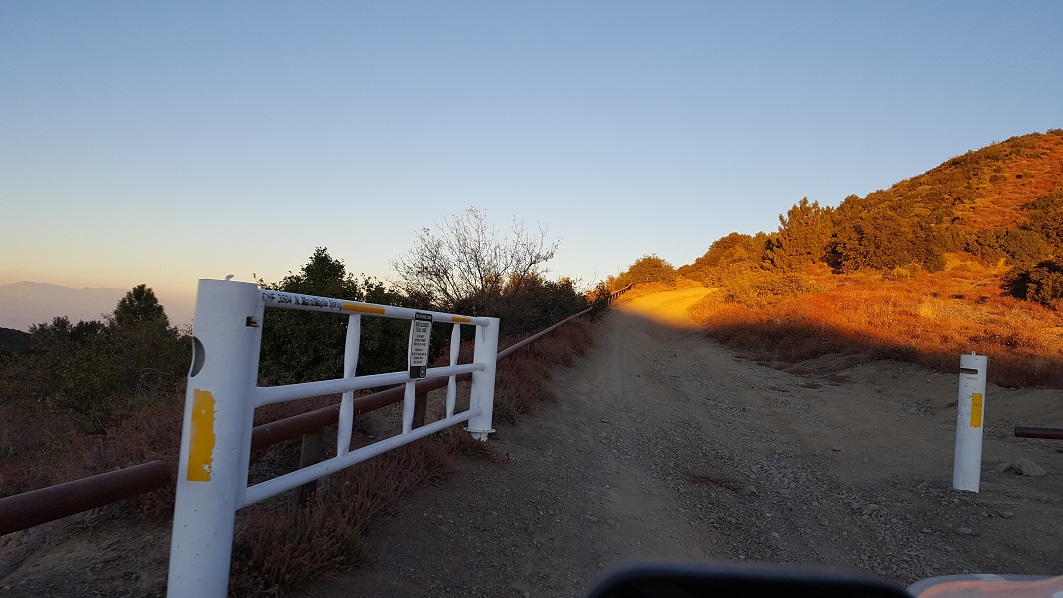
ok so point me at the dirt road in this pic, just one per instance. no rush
(664, 444)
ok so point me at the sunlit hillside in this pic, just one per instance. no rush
(965, 257)
(991, 187)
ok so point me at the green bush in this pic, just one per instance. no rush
(1042, 283)
(299, 346)
(101, 370)
(761, 289)
(648, 268)
(1016, 245)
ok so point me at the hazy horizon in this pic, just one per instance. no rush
(25, 303)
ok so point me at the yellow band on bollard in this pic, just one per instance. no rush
(976, 410)
(201, 437)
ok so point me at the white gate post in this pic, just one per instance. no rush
(215, 437)
(967, 467)
(483, 382)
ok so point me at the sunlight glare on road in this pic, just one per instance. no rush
(668, 308)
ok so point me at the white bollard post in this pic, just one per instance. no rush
(967, 467)
(215, 438)
(483, 383)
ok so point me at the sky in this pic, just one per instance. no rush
(161, 143)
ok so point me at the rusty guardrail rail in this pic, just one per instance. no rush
(26, 510)
(1035, 432)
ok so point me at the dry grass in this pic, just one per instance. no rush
(928, 318)
(280, 545)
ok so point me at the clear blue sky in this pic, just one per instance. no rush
(166, 142)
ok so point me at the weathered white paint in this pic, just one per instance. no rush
(224, 378)
(970, 417)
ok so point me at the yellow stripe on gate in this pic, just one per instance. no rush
(201, 437)
(365, 309)
(976, 410)
(460, 319)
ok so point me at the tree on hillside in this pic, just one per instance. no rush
(648, 268)
(803, 236)
(1042, 283)
(299, 346)
(60, 330)
(730, 249)
(884, 231)
(727, 256)
(1045, 217)
(464, 262)
(1016, 245)
(101, 370)
(140, 305)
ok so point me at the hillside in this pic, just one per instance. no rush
(1001, 205)
(1002, 202)
(990, 187)
(962, 258)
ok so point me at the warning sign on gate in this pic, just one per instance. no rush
(420, 334)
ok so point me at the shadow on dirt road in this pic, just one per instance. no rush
(665, 445)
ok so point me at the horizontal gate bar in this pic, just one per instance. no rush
(275, 486)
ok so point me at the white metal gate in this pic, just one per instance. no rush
(223, 393)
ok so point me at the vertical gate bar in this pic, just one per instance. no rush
(409, 399)
(350, 366)
(452, 385)
(215, 436)
(483, 381)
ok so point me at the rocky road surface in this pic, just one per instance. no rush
(665, 445)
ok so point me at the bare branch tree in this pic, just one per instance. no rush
(465, 262)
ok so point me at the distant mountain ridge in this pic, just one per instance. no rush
(24, 304)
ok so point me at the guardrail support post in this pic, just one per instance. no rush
(420, 405)
(483, 382)
(215, 437)
(309, 454)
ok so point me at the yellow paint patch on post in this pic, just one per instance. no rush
(460, 319)
(976, 410)
(365, 309)
(201, 437)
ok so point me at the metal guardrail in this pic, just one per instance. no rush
(1035, 432)
(29, 509)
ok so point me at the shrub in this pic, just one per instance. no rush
(1042, 283)
(648, 268)
(761, 289)
(299, 346)
(101, 370)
